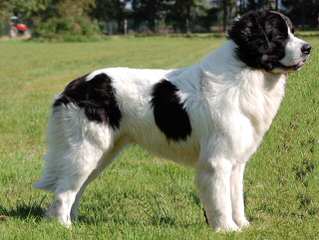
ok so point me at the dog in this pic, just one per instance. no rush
(211, 116)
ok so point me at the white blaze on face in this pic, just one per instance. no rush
(293, 54)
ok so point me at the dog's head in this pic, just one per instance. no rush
(265, 40)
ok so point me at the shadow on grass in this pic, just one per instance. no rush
(34, 211)
(23, 211)
(154, 221)
(154, 218)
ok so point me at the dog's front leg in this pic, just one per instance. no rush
(213, 180)
(237, 195)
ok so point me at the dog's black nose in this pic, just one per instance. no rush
(306, 48)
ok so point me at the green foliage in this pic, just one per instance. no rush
(110, 10)
(148, 10)
(68, 28)
(69, 20)
(26, 9)
(252, 4)
(2, 28)
(185, 15)
(182, 15)
(303, 12)
(149, 16)
(107, 10)
(62, 19)
(70, 8)
(3, 9)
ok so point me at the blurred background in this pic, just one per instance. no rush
(93, 18)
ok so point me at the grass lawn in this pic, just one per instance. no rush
(141, 196)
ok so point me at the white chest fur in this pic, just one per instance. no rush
(242, 101)
(260, 97)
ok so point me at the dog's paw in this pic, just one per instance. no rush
(63, 219)
(242, 222)
(227, 227)
(66, 224)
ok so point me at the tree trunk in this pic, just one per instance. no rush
(303, 15)
(241, 6)
(125, 27)
(225, 15)
(188, 18)
(120, 25)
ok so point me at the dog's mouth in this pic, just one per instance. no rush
(295, 67)
(299, 65)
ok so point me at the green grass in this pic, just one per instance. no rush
(140, 196)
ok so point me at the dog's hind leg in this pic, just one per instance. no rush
(105, 161)
(68, 186)
(85, 143)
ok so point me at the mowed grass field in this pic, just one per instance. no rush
(141, 196)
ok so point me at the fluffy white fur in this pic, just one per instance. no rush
(230, 107)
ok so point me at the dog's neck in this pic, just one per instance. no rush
(223, 63)
(257, 92)
(223, 58)
(271, 79)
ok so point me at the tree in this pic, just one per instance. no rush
(184, 13)
(65, 18)
(110, 10)
(253, 4)
(229, 12)
(22, 8)
(225, 15)
(150, 11)
(3, 9)
(45, 9)
(304, 13)
(257, 4)
(70, 8)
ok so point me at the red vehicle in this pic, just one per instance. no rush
(18, 29)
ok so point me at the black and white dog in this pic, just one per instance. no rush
(212, 116)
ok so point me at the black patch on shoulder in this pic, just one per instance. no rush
(169, 113)
(96, 97)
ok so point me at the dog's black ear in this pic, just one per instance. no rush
(249, 29)
(249, 34)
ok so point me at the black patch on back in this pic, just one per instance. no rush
(169, 113)
(96, 97)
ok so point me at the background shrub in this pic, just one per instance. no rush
(68, 28)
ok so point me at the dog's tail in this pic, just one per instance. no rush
(53, 160)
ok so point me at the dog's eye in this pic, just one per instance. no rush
(292, 30)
